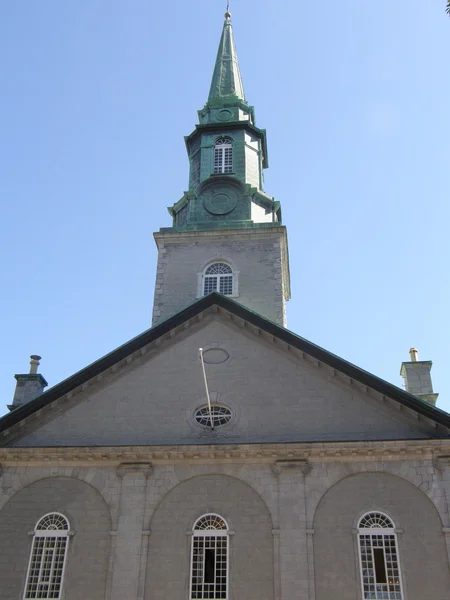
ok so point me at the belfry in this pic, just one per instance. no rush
(227, 234)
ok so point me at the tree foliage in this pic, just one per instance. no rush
(448, 7)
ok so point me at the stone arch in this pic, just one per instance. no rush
(89, 519)
(260, 480)
(251, 543)
(420, 530)
(12, 483)
(420, 475)
(217, 257)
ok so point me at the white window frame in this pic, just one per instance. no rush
(218, 412)
(223, 156)
(38, 535)
(203, 533)
(368, 576)
(201, 278)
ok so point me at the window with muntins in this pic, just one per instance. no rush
(379, 562)
(218, 278)
(209, 559)
(47, 557)
(223, 156)
(219, 415)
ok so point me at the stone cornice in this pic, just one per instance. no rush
(181, 236)
(283, 455)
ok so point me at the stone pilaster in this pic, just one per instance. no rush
(128, 541)
(293, 553)
(442, 464)
(276, 564)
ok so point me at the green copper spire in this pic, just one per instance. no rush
(227, 155)
(226, 81)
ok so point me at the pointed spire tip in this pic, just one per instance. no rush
(226, 80)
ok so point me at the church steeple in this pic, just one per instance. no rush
(227, 155)
(226, 100)
(226, 84)
(224, 221)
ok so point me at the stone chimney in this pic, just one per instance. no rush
(417, 376)
(29, 386)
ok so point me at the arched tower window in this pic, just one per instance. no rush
(223, 155)
(47, 557)
(380, 568)
(218, 277)
(209, 558)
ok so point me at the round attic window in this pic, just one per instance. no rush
(221, 415)
(215, 356)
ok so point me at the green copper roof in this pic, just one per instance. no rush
(226, 82)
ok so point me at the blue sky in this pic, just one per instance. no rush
(96, 98)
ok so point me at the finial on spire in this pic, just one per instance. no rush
(228, 14)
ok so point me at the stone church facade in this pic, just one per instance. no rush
(292, 475)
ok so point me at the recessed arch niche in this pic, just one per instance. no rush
(421, 545)
(251, 542)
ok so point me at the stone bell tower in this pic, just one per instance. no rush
(227, 234)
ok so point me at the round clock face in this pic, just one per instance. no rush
(224, 115)
(220, 200)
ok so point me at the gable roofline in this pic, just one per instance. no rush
(215, 299)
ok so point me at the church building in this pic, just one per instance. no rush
(219, 455)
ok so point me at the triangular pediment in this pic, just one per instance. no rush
(279, 389)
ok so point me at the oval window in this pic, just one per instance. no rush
(215, 356)
(220, 415)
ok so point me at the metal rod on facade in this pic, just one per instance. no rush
(206, 387)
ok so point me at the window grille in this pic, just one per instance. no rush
(218, 278)
(380, 568)
(209, 559)
(47, 558)
(223, 156)
(221, 415)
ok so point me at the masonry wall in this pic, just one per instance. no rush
(88, 550)
(250, 545)
(255, 255)
(292, 521)
(274, 396)
(421, 543)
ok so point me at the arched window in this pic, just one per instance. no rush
(380, 568)
(47, 557)
(218, 278)
(223, 155)
(209, 558)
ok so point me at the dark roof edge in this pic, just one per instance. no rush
(105, 362)
(341, 365)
